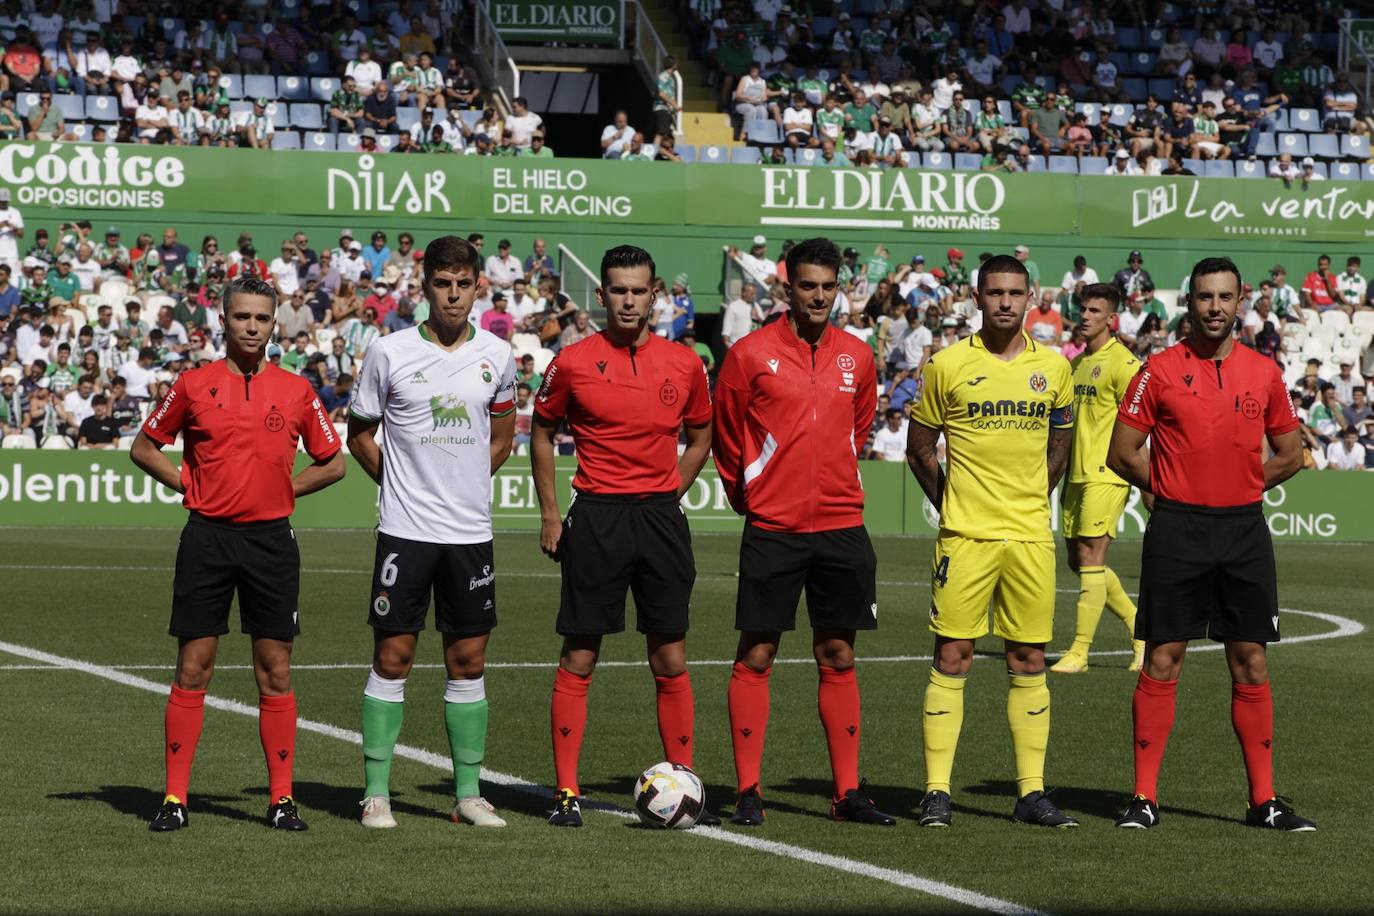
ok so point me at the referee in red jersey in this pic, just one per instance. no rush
(794, 404)
(625, 394)
(1207, 566)
(240, 419)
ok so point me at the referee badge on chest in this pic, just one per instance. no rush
(667, 393)
(274, 421)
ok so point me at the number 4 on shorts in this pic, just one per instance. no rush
(941, 574)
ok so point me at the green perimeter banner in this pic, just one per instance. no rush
(456, 188)
(93, 489)
(578, 22)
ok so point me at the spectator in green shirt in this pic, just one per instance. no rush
(64, 283)
(1027, 97)
(665, 101)
(537, 148)
(346, 108)
(1152, 306)
(37, 293)
(860, 113)
(877, 266)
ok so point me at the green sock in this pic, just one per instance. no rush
(467, 739)
(381, 728)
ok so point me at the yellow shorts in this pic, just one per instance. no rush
(1091, 510)
(1013, 579)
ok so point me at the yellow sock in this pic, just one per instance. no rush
(1092, 596)
(1028, 714)
(1120, 603)
(944, 717)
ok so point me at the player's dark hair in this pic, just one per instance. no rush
(249, 286)
(623, 256)
(449, 252)
(1107, 291)
(819, 251)
(1001, 264)
(1213, 266)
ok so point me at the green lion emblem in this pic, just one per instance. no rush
(449, 411)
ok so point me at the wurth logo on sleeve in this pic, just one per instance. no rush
(1139, 393)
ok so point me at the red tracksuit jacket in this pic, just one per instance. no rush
(790, 421)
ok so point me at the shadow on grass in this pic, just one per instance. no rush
(532, 801)
(142, 803)
(344, 802)
(1077, 800)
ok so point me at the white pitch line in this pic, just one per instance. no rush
(902, 879)
(1344, 627)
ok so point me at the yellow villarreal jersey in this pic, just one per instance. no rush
(1099, 384)
(996, 416)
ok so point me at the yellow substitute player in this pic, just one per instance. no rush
(1095, 496)
(1005, 406)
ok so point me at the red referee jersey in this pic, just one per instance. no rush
(1207, 420)
(625, 406)
(240, 435)
(790, 422)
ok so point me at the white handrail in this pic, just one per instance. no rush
(648, 51)
(494, 56)
(586, 298)
(1349, 41)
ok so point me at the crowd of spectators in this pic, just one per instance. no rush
(1320, 331)
(1149, 88)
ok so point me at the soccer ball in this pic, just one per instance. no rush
(669, 795)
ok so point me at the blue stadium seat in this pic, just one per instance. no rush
(319, 141)
(1122, 61)
(745, 155)
(1320, 169)
(1268, 145)
(1196, 166)
(1153, 38)
(1345, 171)
(348, 143)
(81, 131)
(1306, 119)
(687, 151)
(1281, 120)
(935, 160)
(470, 118)
(1218, 168)
(316, 64)
(1355, 147)
(24, 102)
(1247, 169)
(823, 27)
(1143, 62)
(968, 162)
(233, 84)
(714, 154)
(1093, 165)
(1009, 84)
(258, 86)
(279, 115)
(1005, 110)
(286, 139)
(386, 142)
(70, 105)
(102, 108)
(1067, 165)
(1121, 113)
(1293, 143)
(1135, 87)
(293, 88)
(1128, 38)
(807, 155)
(1037, 164)
(322, 88)
(407, 117)
(1367, 171)
(238, 108)
(1160, 88)
(305, 115)
(1327, 146)
(766, 133)
(1090, 109)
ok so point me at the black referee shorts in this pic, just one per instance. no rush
(837, 570)
(615, 543)
(258, 560)
(1207, 572)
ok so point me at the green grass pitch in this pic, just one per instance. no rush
(83, 759)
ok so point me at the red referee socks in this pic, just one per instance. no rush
(837, 699)
(182, 724)
(569, 720)
(1152, 709)
(748, 698)
(277, 729)
(676, 717)
(1252, 716)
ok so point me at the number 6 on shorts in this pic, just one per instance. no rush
(389, 571)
